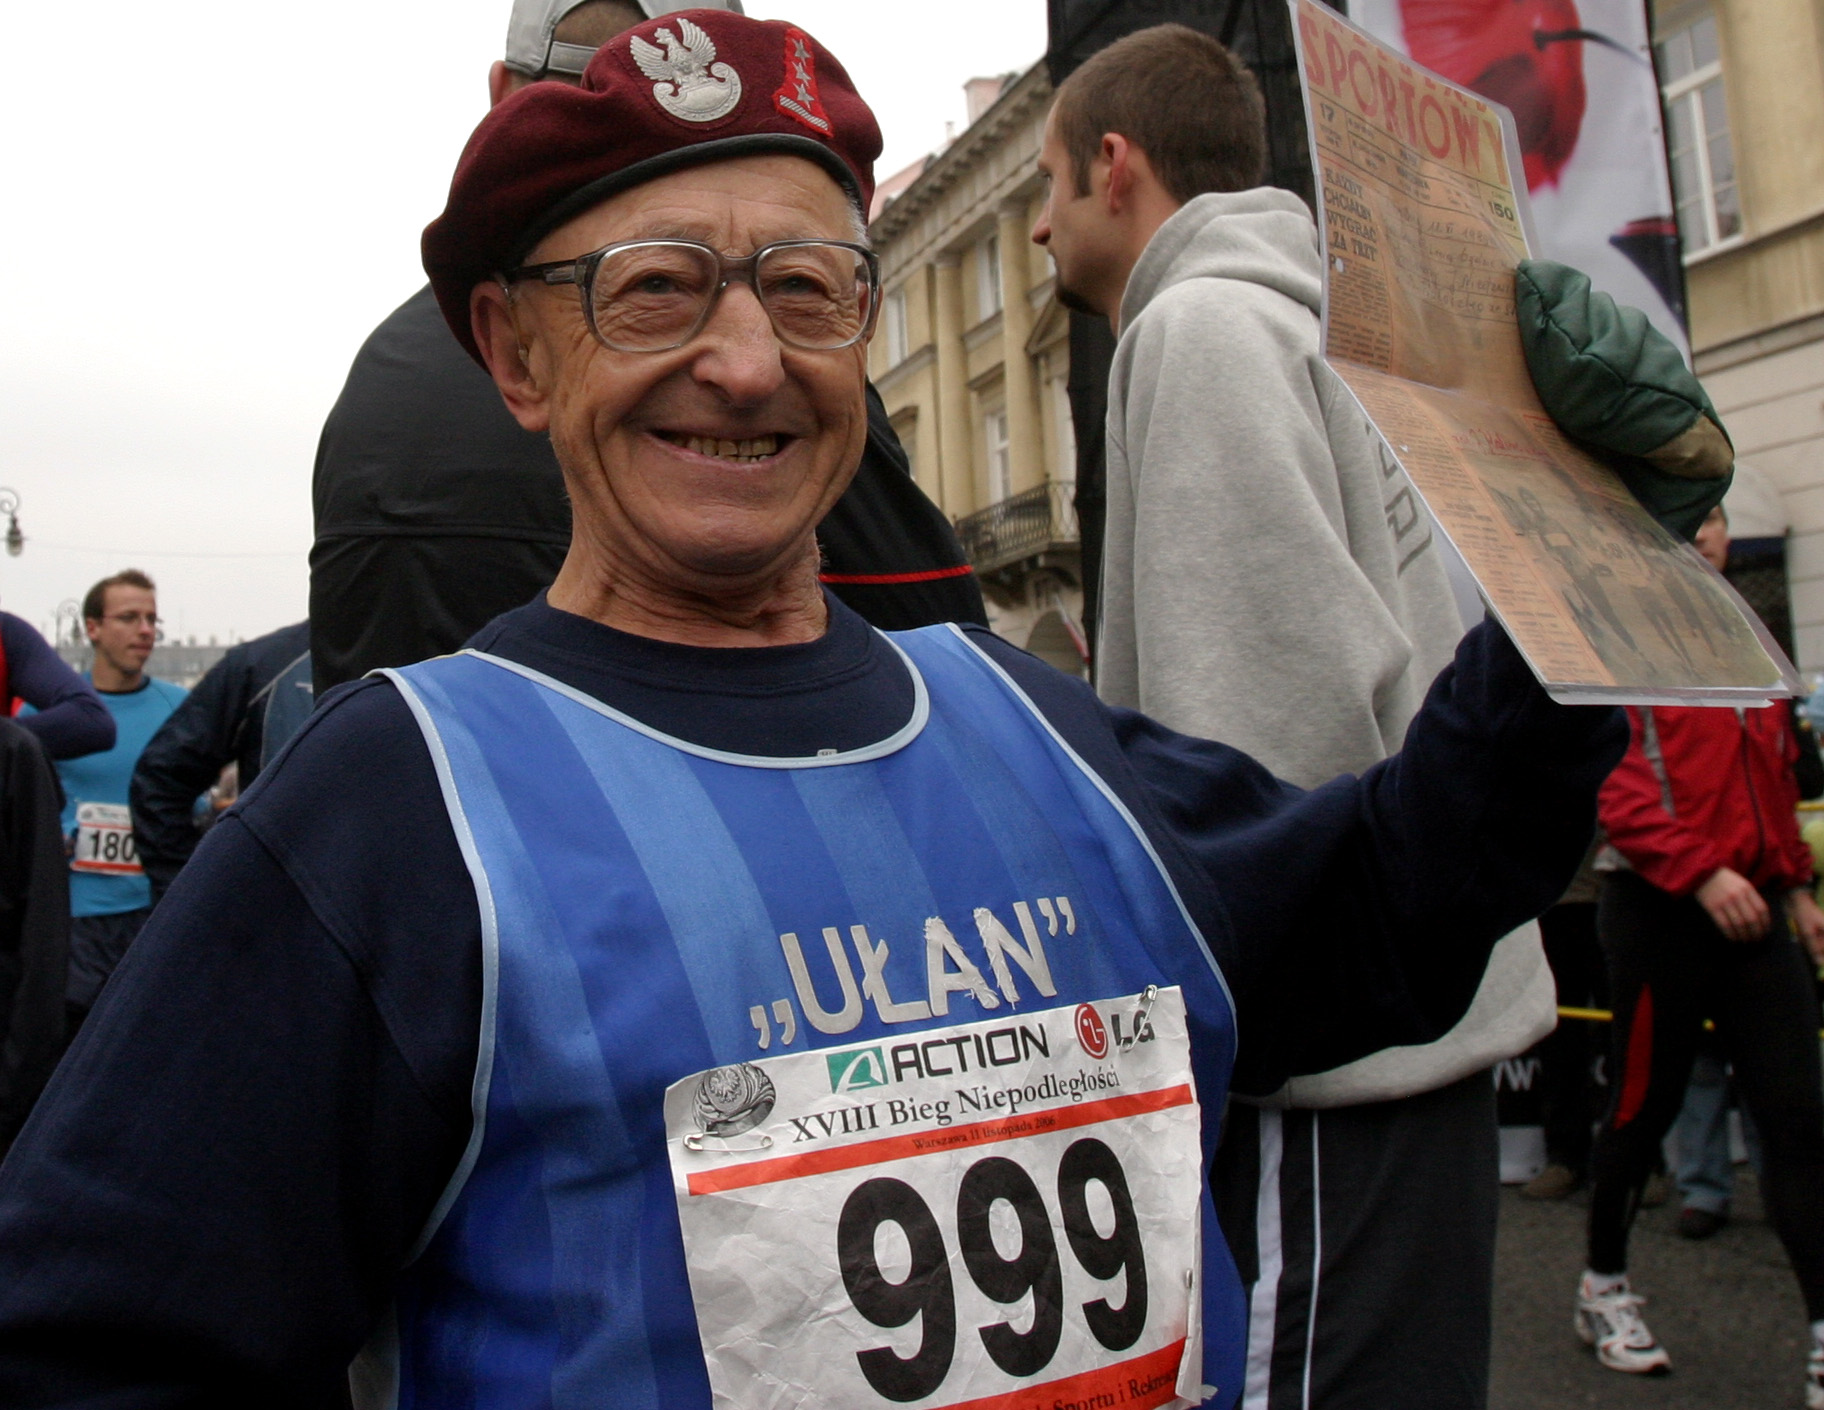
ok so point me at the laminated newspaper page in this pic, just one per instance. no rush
(1424, 221)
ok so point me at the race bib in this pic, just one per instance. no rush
(1002, 1213)
(104, 840)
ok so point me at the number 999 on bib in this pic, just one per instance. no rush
(966, 1233)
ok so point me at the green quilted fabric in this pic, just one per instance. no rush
(1616, 385)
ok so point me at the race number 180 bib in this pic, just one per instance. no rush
(104, 840)
(999, 1214)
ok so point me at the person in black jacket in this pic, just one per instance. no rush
(68, 720)
(34, 925)
(242, 712)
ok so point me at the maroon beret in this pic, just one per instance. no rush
(690, 87)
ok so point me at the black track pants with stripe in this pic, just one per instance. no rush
(1366, 1239)
(1669, 970)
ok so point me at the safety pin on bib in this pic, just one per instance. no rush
(1124, 1041)
(714, 1145)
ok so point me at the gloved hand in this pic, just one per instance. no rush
(1615, 385)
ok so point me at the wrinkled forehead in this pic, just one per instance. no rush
(735, 206)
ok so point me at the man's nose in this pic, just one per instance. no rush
(1041, 228)
(740, 350)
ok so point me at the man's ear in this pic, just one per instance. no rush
(500, 82)
(1116, 159)
(505, 353)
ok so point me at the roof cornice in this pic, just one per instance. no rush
(1015, 106)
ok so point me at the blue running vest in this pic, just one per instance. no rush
(651, 909)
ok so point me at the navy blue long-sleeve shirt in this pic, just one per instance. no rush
(212, 1201)
(71, 719)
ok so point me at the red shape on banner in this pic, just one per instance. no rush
(1525, 54)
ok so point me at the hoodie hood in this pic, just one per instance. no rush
(1264, 236)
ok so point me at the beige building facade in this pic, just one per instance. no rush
(972, 352)
(1743, 85)
(971, 357)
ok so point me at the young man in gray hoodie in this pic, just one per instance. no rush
(1270, 580)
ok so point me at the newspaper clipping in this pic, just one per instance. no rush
(1423, 228)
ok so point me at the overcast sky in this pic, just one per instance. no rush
(211, 210)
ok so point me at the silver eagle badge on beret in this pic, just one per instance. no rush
(688, 82)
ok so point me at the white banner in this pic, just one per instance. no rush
(1578, 77)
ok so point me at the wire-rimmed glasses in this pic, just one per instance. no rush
(656, 295)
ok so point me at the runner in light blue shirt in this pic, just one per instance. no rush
(109, 895)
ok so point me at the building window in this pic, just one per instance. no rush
(897, 341)
(988, 275)
(1000, 461)
(1697, 126)
(1065, 471)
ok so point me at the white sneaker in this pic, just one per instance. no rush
(1611, 1322)
(1814, 1378)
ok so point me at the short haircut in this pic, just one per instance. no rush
(1178, 96)
(593, 23)
(95, 604)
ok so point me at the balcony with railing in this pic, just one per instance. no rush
(1027, 525)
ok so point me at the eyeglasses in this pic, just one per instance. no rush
(656, 295)
(135, 619)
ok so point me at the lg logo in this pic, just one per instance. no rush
(1091, 1032)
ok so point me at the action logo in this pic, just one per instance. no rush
(857, 1071)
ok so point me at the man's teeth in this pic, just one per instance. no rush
(757, 449)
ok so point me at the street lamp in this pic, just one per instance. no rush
(70, 611)
(9, 506)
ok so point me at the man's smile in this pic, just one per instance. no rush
(750, 451)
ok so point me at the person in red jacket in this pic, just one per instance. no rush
(1705, 918)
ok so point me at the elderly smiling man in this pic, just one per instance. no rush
(687, 994)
